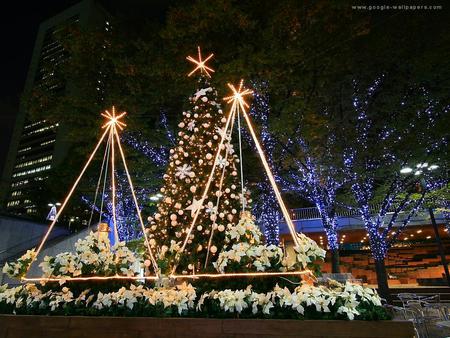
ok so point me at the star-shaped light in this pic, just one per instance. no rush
(200, 64)
(113, 119)
(195, 205)
(238, 96)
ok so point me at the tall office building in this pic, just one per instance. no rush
(37, 146)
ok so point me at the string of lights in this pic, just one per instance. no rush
(362, 165)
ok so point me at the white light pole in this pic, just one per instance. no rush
(53, 211)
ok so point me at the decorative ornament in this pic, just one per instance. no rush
(191, 126)
(184, 171)
(195, 205)
(202, 92)
(200, 63)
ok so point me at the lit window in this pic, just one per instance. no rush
(40, 130)
(32, 171)
(32, 162)
(47, 142)
(13, 203)
(16, 193)
(19, 183)
(24, 150)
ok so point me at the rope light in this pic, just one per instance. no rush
(111, 130)
(176, 276)
(50, 228)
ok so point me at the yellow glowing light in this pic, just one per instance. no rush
(201, 64)
(138, 210)
(175, 276)
(113, 119)
(284, 210)
(238, 96)
(111, 130)
(50, 228)
(113, 183)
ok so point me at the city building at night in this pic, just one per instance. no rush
(36, 145)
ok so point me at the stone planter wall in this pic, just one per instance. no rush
(141, 327)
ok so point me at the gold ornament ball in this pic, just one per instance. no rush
(213, 249)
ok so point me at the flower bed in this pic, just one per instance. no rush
(336, 301)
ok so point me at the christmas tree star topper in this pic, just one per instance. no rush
(201, 64)
(238, 95)
(113, 119)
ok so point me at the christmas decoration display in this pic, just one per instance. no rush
(245, 252)
(202, 230)
(184, 256)
(93, 258)
(334, 301)
(191, 162)
(127, 221)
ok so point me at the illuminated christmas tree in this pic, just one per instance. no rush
(190, 164)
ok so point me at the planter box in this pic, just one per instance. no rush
(142, 327)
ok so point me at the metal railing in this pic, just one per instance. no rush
(313, 212)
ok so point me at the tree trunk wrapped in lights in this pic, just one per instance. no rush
(375, 162)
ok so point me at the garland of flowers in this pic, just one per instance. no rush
(93, 257)
(19, 268)
(248, 254)
(335, 301)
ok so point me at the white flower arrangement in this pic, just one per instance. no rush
(305, 253)
(19, 268)
(92, 257)
(249, 254)
(253, 257)
(341, 301)
(244, 231)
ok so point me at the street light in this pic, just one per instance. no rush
(406, 170)
(52, 214)
(156, 197)
(420, 167)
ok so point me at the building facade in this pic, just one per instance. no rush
(36, 145)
